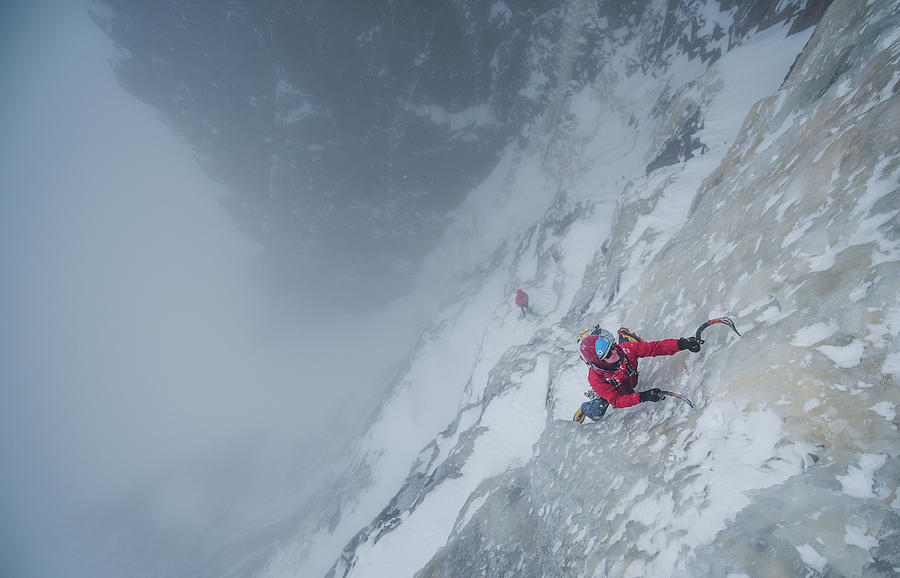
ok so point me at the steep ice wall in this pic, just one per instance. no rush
(781, 223)
(788, 465)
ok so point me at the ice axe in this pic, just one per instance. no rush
(677, 395)
(723, 320)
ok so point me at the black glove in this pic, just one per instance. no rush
(689, 343)
(652, 395)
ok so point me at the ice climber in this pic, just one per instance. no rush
(613, 372)
(522, 300)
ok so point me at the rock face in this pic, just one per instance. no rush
(647, 188)
(782, 218)
(346, 131)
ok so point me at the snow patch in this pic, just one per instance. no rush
(846, 356)
(811, 557)
(858, 537)
(885, 409)
(860, 480)
(812, 334)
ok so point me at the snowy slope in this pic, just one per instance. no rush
(804, 255)
(787, 221)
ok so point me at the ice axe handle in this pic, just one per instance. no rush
(723, 320)
(679, 396)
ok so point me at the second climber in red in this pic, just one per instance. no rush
(522, 301)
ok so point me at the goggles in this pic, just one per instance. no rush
(604, 349)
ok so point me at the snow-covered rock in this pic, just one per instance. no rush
(787, 222)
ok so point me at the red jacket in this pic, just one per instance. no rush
(521, 298)
(617, 384)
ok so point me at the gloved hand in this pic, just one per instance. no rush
(654, 394)
(689, 343)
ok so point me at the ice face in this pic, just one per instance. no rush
(788, 464)
(608, 211)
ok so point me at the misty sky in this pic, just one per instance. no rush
(133, 338)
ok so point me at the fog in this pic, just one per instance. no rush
(135, 342)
